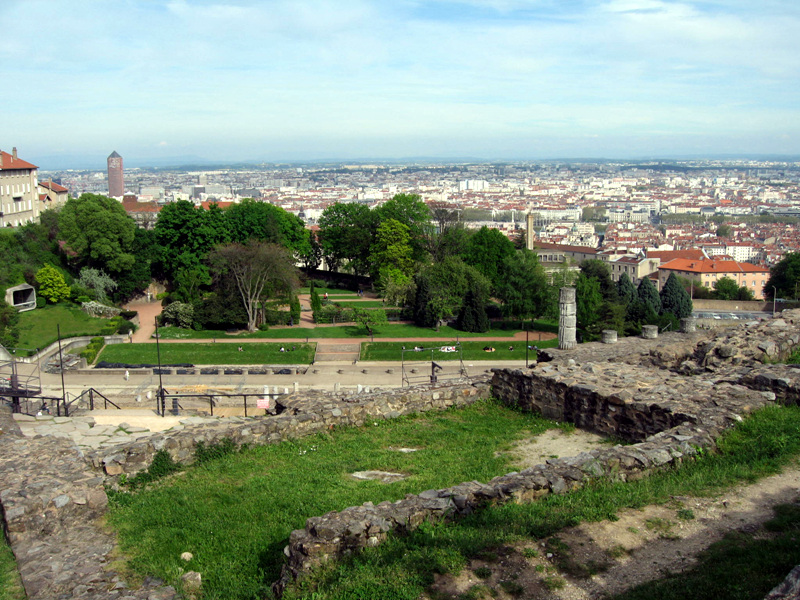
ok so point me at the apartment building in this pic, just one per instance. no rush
(709, 271)
(19, 191)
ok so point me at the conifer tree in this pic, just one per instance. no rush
(626, 290)
(674, 298)
(649, 296)
(473, 314)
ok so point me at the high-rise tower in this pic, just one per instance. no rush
(116, 181)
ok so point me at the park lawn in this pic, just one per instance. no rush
(210, 354)
(363, 304)
(391, 330)
(469, 350)
(37, 328)
(236, 513)
(335, 292)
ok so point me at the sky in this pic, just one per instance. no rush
(306, 80)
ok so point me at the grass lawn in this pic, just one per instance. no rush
(37, 328)
(332, 292)
(363, 304)
(392, 330)
(210, 354)
(470, 350)
(402, 568)
(10, 584)
(235, 514)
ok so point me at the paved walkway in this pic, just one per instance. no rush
(148, 311)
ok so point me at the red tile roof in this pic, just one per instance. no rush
(9, 162)
(712, 266)
(668, 255)
(53, 186)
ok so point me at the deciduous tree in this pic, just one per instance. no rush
(51, 284)
(261, 271)
(98, 232)
(784, 276)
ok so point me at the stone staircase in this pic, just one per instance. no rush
(337, 352)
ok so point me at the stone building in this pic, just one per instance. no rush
(19, 192)
(116, 178)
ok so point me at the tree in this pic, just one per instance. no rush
(411, 211)
(186, 234)
(784, 276)
(98, 281)
(523, 286)
(441, 289)
(254, 220)
(260, 270)
(345, 233)
(368, 318)
(601, 271)
(316, 303)
(674, 298)
(649, 296)
(486, 250)
(98, 232)
(9, 322)
(391, 251)
(295, 309)
(588, 299)
(313, 257)
(725, 289)
(51, 284)
(189, 280)
(724, 231)
(472, 316)
(626, 291)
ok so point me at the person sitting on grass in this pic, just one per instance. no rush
(488, 349)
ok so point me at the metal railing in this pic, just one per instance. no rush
(266, 401)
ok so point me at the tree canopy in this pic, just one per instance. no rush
(486, 250)
(784, 276)
(345, 234)
(523, 286)
(260, 270)
(675, 299)
(99, 232)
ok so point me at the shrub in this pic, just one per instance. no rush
(51, 284)
(263, 327)
(179, 314)
(40, 302)
(93, 349)
(128, 314)
(124, 327)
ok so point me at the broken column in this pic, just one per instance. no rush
(567, 319)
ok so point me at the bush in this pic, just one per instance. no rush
(40, 302)
(93, 349)
(178, 314)
(263, 327)
(128, 314)
(124, 327)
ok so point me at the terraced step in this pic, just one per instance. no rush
(337, 352)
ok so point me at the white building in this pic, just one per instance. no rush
(19, 191)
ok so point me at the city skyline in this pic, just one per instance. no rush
(353, 80)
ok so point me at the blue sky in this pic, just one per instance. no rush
(357, 79)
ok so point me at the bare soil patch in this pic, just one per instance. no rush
(598, 560)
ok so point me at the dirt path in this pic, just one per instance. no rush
(642, 545)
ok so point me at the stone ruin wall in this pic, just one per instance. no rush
(53, 497)
(671, 395)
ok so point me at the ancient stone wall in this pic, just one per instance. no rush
(53, 496)
(637, 390)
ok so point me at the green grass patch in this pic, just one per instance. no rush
(10, 584)
(332, 292)
(363, 304)
(392, 330)
(469, 350)
(38, 328)
(210, 354)
(235, 513)
(403, 567)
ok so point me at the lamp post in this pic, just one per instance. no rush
(774, 300)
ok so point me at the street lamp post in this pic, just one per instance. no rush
(774, 300)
